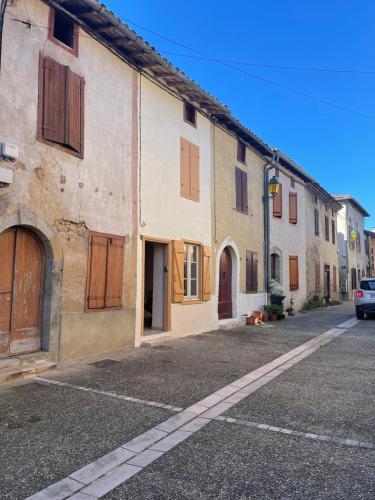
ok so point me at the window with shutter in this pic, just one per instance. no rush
(189, 170)
(293, 272)
(251, 272)
(61, 106)
(105, 272)
(241, 152)
(333, 227)
(326, 228)
(241, 191)
(316, 221)
(278, 203)
(293, 208)
(178, 271)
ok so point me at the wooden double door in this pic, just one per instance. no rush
(21, 292)
(225, 285)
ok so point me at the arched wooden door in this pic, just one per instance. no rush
(225, 285)
(21, 292)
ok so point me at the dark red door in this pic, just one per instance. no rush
(225, 285)
(21, 290)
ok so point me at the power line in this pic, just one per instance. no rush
(253, 75)
(230, 65)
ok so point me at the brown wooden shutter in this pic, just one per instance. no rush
(184, 168)
(206, 273)
(178, 271)
(251, 272)
(278, 203)
(293, 272)
(293, 208)
(53, 102)
(75, 111)
(317, 277)
(244, 192)
(334, 272)
(97, 272)
(194, 172)
(115, 263)
(238, 182)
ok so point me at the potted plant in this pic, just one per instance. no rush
(277, 312)
(277, 293)
(250, 320)
(266, 312)
(290, 309)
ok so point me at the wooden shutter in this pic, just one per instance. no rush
(293, 208)
(194, 172)
(278, 203)
(326, 228)
(75, 111)
(97, 272)
(206, 273)
(238, 181)
(317, 277)
(293, 272)
(185, 168)
(333, 227)
(115, 262)
(178, 271)
(316, 221)
(52, 100)
(244, 192)
(251, 272)
(334, 272)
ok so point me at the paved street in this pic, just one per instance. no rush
(274, 420)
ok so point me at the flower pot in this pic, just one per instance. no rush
(257, 314)
(264, 317)
(250, 320)
(273, 317)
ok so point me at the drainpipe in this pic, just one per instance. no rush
(269, 165)
(3, 4)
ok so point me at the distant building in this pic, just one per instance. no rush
(370, 251)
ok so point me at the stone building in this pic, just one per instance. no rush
(351, 240)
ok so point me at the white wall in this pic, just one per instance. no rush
(290, 239)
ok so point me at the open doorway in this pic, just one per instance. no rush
(155, 290)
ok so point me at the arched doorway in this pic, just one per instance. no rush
(225, 285)
(21, 291)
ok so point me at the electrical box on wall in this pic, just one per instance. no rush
(6, 176)
(8, 152)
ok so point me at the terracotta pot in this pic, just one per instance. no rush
(250, 320)
(257, 314)
(265, 317)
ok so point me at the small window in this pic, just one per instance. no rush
(333, 226)
(191, 271)
(241, 152)
(190, 114)
(315, 199)
(63, 31)
(326, 228)
(241, 191)
(316, 221)
(292, 183)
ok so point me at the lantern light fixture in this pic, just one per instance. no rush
(274, 185)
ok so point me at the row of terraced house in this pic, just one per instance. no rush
(134, 205)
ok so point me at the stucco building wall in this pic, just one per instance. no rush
(318, 249)
(287, 239)
(72, 195)
(163, 213)
(241, 232)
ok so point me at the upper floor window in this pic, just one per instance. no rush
(333, 231)
(189, 170)
(63, 31)
(60, 106)
(316, 221)
(190, 114)
(292, 183)
(241, 152)
(326, 228)
(241, 191)
(293, 208)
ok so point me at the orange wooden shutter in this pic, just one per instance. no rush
(206, 273)
(115, 262)
(293, 272)
(97, 272)
(278, 203)
(178, 271)
(53, 100)
(185, 168)
(194, 172)
(75, 111)
(293, 208)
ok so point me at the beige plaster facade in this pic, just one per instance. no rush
(68, 195)
(321, 253)
(240, 232)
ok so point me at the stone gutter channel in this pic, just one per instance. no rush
(109, 471)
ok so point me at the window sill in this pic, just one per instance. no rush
(104, 309)
(61, 147)
(242, 212)
(188, 302)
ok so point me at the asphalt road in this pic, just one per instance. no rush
(48, 431)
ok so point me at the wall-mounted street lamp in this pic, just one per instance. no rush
(273, 185)
(353, 235)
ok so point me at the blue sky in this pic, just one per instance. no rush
(336, 147)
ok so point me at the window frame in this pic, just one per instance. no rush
(326, 228)
(198, 297)
(51, 28)
(241, 152)
(316, 222)
(333, 229)
(187, 107)
(88, 274)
